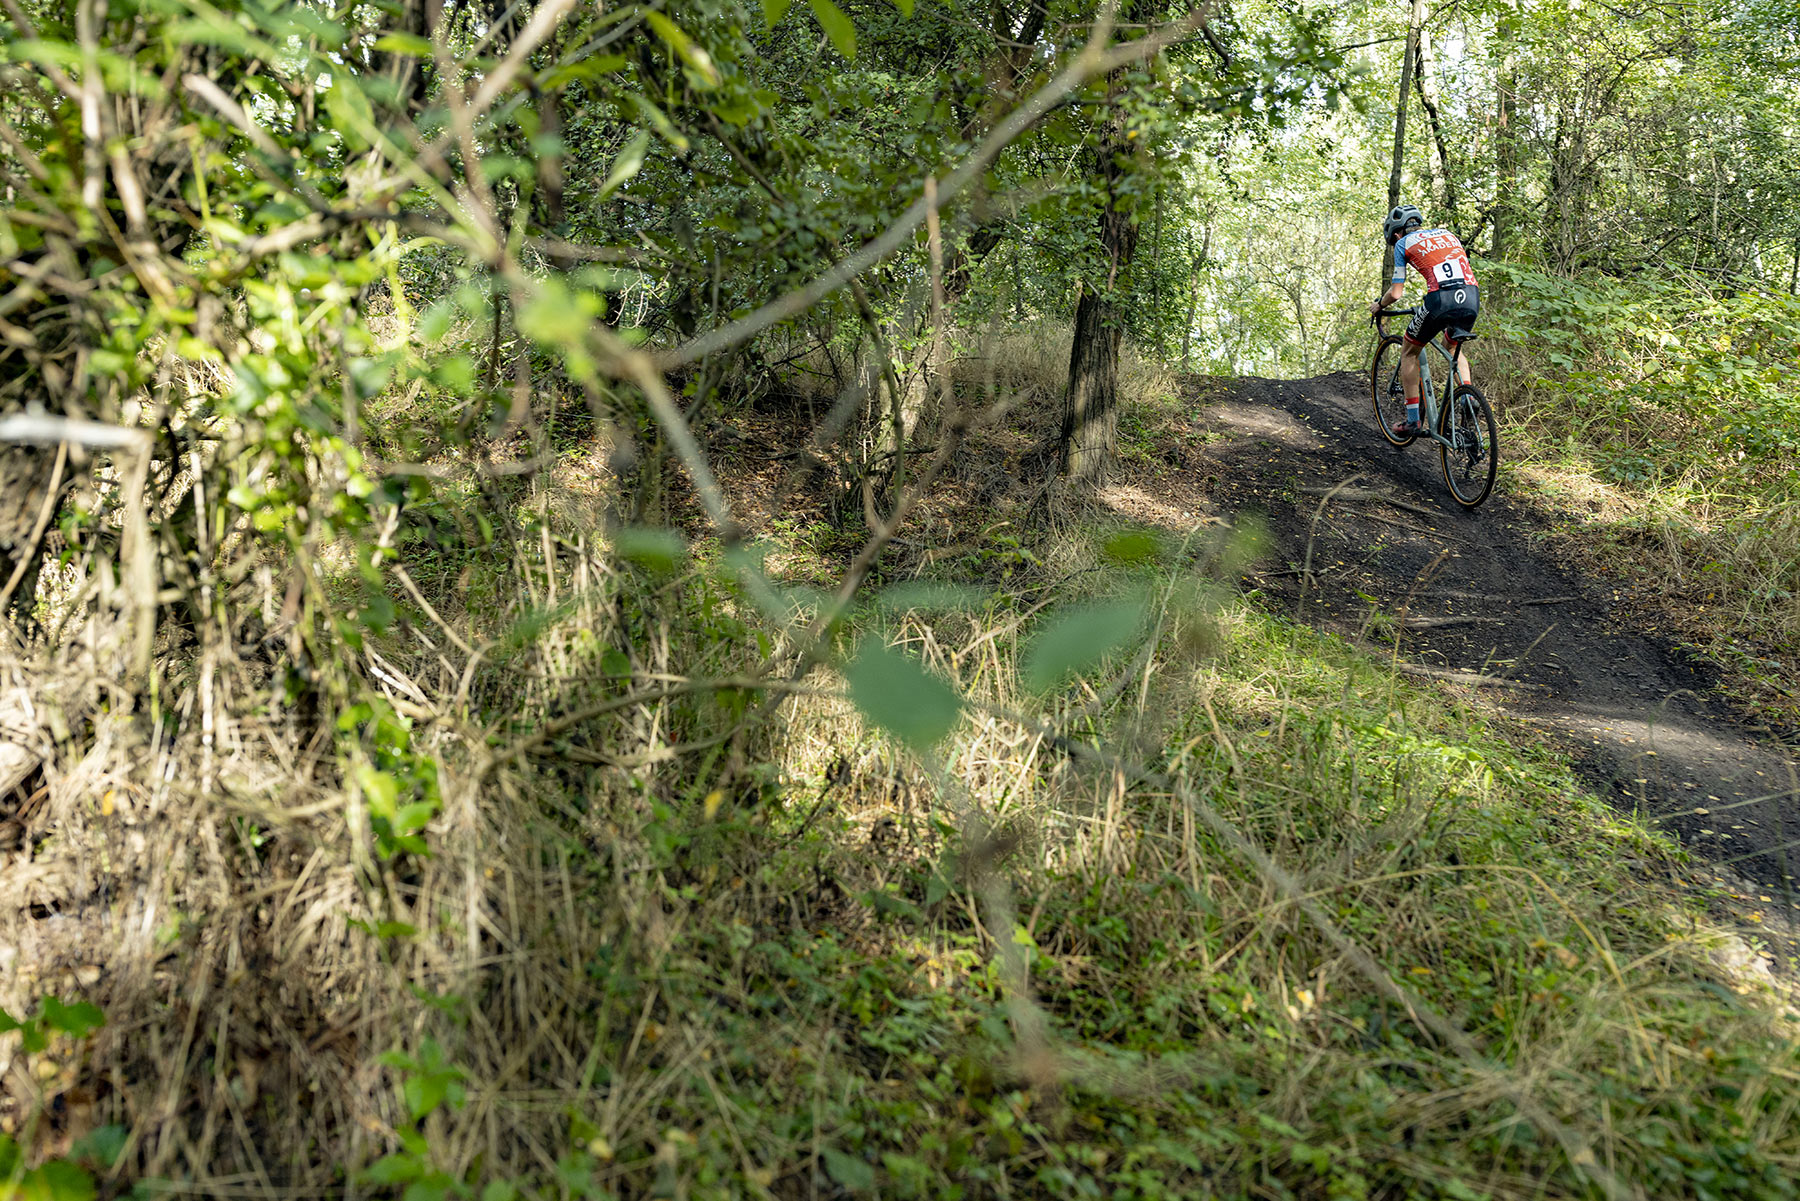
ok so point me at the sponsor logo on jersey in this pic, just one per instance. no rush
(1438, 255)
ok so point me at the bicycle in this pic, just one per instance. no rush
(1468, 442)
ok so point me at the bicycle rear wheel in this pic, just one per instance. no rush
(1473, 454)
(1385, 391)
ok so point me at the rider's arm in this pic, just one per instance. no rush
(1398, 286)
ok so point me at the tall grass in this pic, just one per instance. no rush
(658, 937)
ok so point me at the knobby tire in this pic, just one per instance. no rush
(1385, 391)
(1470, 465)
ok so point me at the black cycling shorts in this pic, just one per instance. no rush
(1452, 307)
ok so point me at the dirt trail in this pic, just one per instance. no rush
(1640, 723)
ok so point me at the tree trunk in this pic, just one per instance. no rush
(1187, 331)
(1444, 183)
(1090, 432)
(1506, 148)
(1296, 294)
(1090, 426)
(1018, 287)
(1156, 276)
(1406, 69)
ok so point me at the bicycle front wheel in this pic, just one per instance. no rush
(1471, 454)
(1386, 392)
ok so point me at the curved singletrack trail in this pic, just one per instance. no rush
(1475, 601)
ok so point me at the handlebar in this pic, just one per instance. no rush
(1376, 319)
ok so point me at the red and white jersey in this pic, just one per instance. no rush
(1436, 254)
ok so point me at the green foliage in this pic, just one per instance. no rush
(427, 1079)
(54, 1180)
(77, 1020)
(1668, 376)
(900, 696)
(1077, 639)
(67, 1177)
(399, 784)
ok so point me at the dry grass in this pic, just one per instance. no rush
(673, 952)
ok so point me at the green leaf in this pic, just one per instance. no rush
(887, 902)
(393, 1169)
(593, 68)
(1079, 639)
(424, 1093)
(404, 43)
(413, 817)
(435, 1187)
(693, 55)
(774, 10)
(905, 7)
(1134, 546)
(77, 1021)
(659, 550)
(103, 1145)
(849, 1171)
(555, 316)
(350, 112)
(837, 27)
(58, 1180)
(629, 162)
(381, 791)
(898, 695)
(659, 121)
(936, 888)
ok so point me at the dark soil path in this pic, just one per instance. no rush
(1476, 601)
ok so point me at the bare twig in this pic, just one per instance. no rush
(1472, 678)
(1438, 623)
(1364, 494)
(1312, 529)
(41, 429)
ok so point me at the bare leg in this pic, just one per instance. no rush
(1409, 371)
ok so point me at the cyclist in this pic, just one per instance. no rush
(1452, 299)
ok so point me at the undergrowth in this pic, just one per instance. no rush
(1660, 417)
(596, 915)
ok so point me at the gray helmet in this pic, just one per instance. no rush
(1402, 218)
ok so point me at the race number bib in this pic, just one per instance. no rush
(1449, 271)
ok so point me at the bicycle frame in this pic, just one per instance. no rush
(1452, 362)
